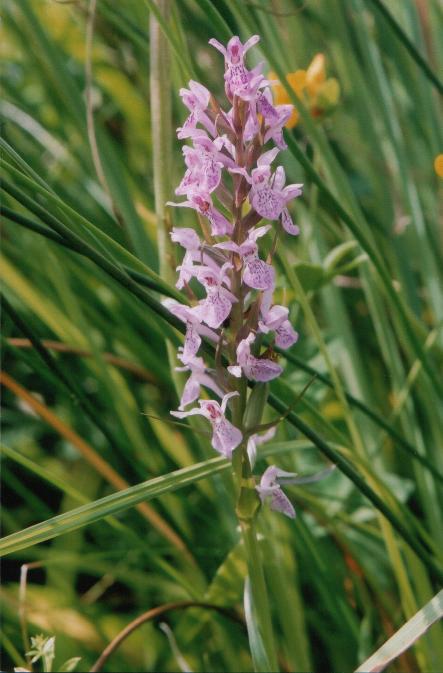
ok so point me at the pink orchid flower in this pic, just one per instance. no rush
(273, 479)
(275, 319)
(203, 172)
(202, 203)
(269, 487)
(196, 99)
(275, 117)
(238, 80)
(218, 303)
(189, 240)
(256, 273)
(255, 369)
(225, 436)
(268, 195)
(194, 329)
(198, 377)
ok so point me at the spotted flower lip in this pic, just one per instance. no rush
(255, 369)
(257, 274)
(218, 303)
(203, 173)
(275, 318)
(268, 195)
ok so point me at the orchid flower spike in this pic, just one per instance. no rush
(227, 165)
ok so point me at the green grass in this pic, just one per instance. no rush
(121, 512)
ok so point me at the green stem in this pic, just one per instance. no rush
(160, 92)
(259, 593)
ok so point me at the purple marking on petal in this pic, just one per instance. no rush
(226, 437)
(288, 224)
(267, 203)
(285, 335)
(215, 309)
(258, 274)
(192, 342)
(220, 226)
(281, 503)
(261, 369)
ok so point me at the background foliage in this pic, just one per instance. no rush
(87, 366)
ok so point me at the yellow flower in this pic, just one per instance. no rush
(297, 82)
(438, 165)
(319, 94)
(315, 74)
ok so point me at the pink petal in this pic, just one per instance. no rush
(268, 157)
(281, 503)
(226, 399)
(244, 349)
(186, 237)
(192, 412)
(250, 43)
(201, 93)
(227, 245)
(265, 436)
(189, 124)
(220, 226)
(259, 275)
(285, 335)
(288, 224)
(215, 43)
(226, 437)
(292, 191)
(214, 309)
(279, 178)
(254, 234)
(192, 342)
(276, 316)
(191, 391)
(267, 203)
(261, 369)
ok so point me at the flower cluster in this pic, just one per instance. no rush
(231, 183)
